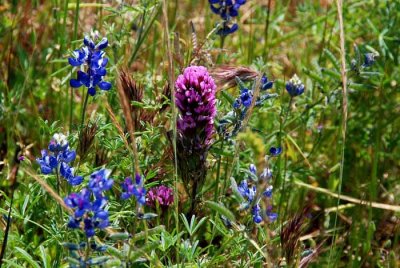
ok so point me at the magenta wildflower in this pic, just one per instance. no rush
(162, 195)
(195, 99)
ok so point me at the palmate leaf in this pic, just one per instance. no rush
(193, 226)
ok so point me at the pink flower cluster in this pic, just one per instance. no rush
(195, 99)
(161, 194)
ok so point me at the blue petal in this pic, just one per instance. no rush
(104, 63)
(103, 224)
(103, 85)
(69, 156)
(102, 215)
(88, 42)
(92, 91)
(75, 83)
(46, 169)
(74, 181)
(89, 232)
(74, 62)
(101, 71)
(125, 196)
(257, 219)
(102, 44)
(215, 9)
(83, 77)
(53, 162)
(65, 170)
(233, 12)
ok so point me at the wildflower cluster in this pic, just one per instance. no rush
(57, 158)
(92, 61)
(246, 95)
(227, 9)
(242, 104)
(136, 189)
(195, 99)
(250, 193)
(162, 195)
(89, 204)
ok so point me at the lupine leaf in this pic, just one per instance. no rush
(221, 209)
(27, 257)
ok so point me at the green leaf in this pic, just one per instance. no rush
(115, 252)
(153, 231)
(144, 250)
(332, 59)
(44, 257)
(119, 236)
(221, 209)
(235, 190)
(27, 257)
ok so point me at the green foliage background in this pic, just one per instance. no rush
(302, 37)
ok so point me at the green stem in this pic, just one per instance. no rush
(87, 253)
(132, 241)
(283, 184)
(76, 20)
(216, 193)
(267, 22)
(71, 103)
(84, 109)
(221, 46)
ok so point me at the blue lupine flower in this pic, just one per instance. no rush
(271, 215)
(135, 189)
(266, 174)
(226, 29)
(68, 173)
(93, 56)
(250, 195)
(265, 83)
(79, 201)
(58, 157)
(246, 97)
(47, 162)
(295, 87)
(227, 9)
(67, 156)
(369, 59)
(99, 182)
(253, 169)
(237, 103)
(89, 204)
(59, 143)
(246, 192)
(256, 212)
(275, 151)
(268, 191)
